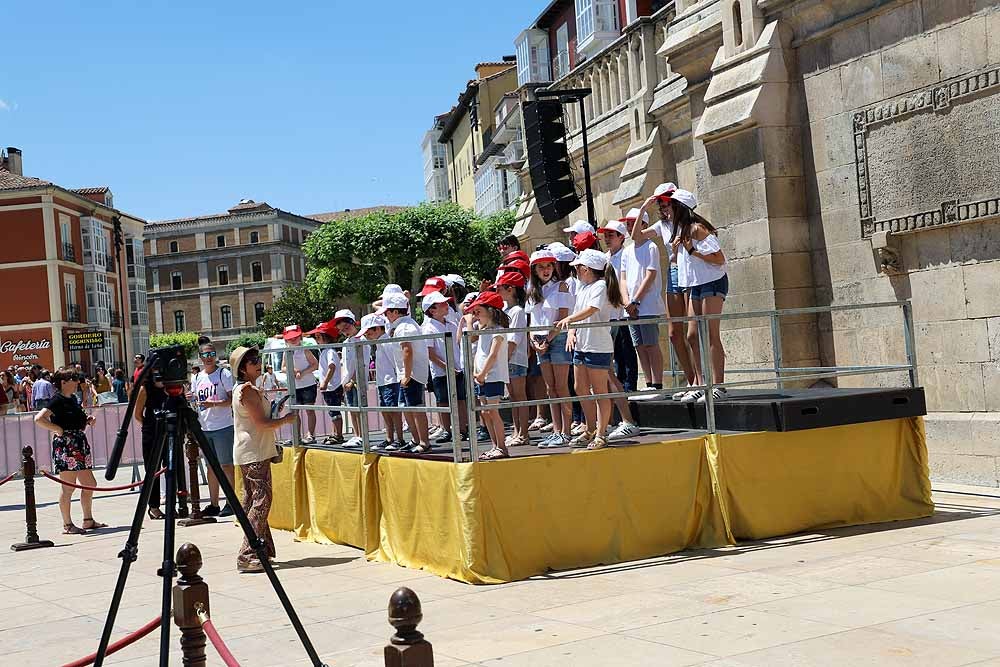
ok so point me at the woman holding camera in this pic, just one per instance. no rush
(253, 450)
(71, 457)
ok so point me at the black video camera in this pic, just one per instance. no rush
(169, 365)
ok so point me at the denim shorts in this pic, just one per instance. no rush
(351, 396)
(489, 390)
(600, 360)
(440, 387)
(517, 371)
(412, 395)
(388, 395)
(644, 334)
(718, 287)
(221, 442)
(673, 284)
(334, 397)
(305, 395)
(556, 354)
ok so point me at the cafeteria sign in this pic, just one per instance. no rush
(84, 340)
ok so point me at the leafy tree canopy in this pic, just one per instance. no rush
(188, 339)
(246, 340)
(296, 305)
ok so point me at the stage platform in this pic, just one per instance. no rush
(786, 409)
(542, 510)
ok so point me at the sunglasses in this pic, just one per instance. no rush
(253, 359)
(207, 355)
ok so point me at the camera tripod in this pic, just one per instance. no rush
(173, 422)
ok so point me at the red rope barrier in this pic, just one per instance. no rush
(7, 478)
(220, 646)
(120, 644)
(123, 487)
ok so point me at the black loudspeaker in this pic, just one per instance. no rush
(548, 161)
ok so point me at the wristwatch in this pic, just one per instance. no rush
(635, 303)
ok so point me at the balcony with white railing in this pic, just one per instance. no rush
(532, 57)
(597, 25)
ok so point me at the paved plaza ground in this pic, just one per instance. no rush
(910, 593)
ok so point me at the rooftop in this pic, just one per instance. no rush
(355, 213)
(91, 191)
(242, 208)
(9, 181)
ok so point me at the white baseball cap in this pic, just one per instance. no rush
(469, 298)
(614, 226)
(454, 279)
(561, 252)
(395, 301)
(432, 299)
(371, 321)
(345, 314)
(685, 197)
(391, 288)
(664, 189)
(594, 259)
(633, 214)
(579, 227)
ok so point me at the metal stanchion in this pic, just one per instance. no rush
(290, 381)
(361, 384)
(776, 349)
(407, 647)
(470, 399)
(31, 540)
(911, 359)
(452, 384)
(190, 591)
(706, 370)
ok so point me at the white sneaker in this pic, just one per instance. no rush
(693, 396)
(353, 442)
(678, 395)
(578, 429)
(623, 431)
(434, 432)
(718, 394)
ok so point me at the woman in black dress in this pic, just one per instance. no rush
(71, 457)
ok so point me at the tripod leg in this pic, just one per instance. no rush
(167, 567)
(258, 544)
(131, 550)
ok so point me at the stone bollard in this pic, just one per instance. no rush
(190, 594)
(194, 494)
(407, 648)
(31, 541)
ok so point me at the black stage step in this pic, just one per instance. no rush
(786, 409)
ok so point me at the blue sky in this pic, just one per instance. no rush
(183, 108)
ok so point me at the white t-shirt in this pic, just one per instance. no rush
(327, 358)
(301, 362)
(665, 229)
(636, 261)
(420, 364)
(546, 313)
(385, 364)
(615, 262)
(432, 326)
(597, 339)
(349, 369)
(498, 373)
(694, 271)
(518, 320)
(269, 381)
(217, 386)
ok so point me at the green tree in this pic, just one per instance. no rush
(357, 256)
(296, 305)
(187, 339)
(247, 340)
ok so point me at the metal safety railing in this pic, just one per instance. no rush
(777, 373)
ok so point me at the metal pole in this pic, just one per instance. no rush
(706, 370)
(776, 349)
(911, 358)
(470, 399)
(361, 384)
(591, 215)
(452, 383)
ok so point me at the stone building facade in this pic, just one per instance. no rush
(849, 153)
(217, 274)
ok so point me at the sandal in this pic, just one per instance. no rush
(495, 453)
(93, 524)
(597, 443)
(71, 529)
(421, 449)
(155, 514)
(251, 566)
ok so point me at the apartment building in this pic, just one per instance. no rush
(435, 156)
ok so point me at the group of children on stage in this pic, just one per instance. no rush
(555, 287)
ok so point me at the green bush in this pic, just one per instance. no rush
(246, 340)
(188, 340)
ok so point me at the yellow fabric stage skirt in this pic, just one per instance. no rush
(506, 520)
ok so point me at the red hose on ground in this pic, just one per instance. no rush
(120, 644)
(220, 646)
(7, 478)
(123, 487)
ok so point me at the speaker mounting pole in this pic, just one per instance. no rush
(570, 95)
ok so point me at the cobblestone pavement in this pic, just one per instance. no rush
(909, 593)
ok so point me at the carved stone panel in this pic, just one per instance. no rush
(932, 157)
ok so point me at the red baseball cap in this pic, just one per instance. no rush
(584, 240)
(292, 331)
(435, 284)
(326, 328)
(488, 299)
(518, 265)
(512, 278)
(517, 254)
